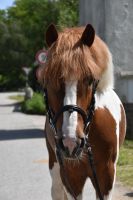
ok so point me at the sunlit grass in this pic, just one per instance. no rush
(125, 163)
(18, 98)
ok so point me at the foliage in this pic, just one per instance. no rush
(125, 163)
(68, 13)
(22, 29)
(12, 55)
(35, 105)
(34, 16)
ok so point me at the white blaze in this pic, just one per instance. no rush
(70, 120)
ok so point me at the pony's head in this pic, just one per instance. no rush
(76, 59)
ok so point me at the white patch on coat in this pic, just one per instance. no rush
(109, 99)
(57, 190)
(107, 78)
(70, 120)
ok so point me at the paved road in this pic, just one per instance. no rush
(24, 171)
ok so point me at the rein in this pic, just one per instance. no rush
(87, 120)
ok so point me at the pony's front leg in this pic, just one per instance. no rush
(107, 181)
(69, 197)
(57, 190)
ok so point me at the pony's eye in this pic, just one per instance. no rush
(88, 81)
(59, 92)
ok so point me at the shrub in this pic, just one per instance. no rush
(35, 105)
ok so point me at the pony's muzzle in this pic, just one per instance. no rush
(69, 143)
(72, 146)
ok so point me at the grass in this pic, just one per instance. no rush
(125, 163)
(19, 98)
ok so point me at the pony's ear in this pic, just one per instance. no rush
(88, 35)
(51, 34)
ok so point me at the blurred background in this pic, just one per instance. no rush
(22, 34)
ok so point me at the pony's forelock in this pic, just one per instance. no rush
(68, 59)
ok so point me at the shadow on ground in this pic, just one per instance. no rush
(21, 134)
(17, 106)
(130, 194)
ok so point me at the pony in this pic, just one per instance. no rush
(83, 111)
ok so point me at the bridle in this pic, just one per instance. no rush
(87, 117)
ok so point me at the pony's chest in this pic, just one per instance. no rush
(104, 129)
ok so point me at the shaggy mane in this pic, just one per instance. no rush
(69, 59)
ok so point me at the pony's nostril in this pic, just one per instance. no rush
(69, 143)
(61, 144)
(82, 142)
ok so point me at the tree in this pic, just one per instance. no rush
(22, 30)
(34, 17)
(68, 13)
(12, 56)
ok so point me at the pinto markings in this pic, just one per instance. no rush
(57, 190)
(109, 100)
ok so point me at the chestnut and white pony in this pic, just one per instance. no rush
(76, 57)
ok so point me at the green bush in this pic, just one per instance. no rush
(35, 105)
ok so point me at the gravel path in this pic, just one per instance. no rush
(24, 171)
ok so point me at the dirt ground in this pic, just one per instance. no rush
(122, 192)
